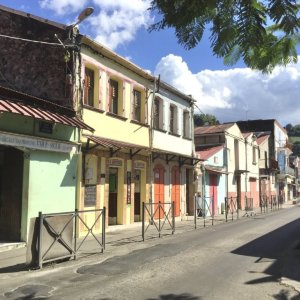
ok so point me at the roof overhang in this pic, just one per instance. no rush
(7, 106)
(112, 145)
(215, 170)
(175, 157)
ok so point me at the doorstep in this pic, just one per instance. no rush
(6, 246)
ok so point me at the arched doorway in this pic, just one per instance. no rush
(176, 189)
(159, 189)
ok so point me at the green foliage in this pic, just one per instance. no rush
(239, 28)
(205, 119)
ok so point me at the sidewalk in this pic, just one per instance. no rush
(13, 256)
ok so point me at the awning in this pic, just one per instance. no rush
(173, 156)
(215, 170)
(41, 114)
(112, 145)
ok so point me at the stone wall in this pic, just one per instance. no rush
(34, 68)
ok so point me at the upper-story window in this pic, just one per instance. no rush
(173, 119)
(137, 105)
(254, 160)
(158, 122)
(186, 125)
(114, 97)
(89, 87)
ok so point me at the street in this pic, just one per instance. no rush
(243, 259)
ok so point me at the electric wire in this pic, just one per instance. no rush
(31, 41)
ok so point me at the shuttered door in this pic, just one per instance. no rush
(159, 186)
(176, 189)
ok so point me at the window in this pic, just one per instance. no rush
(113, 96)
(89, 83)
(186, 125)
(173, 119)
(156, 113)
(137, 105)
(254, 155)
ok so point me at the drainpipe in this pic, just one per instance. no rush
(226, 166)
(151, 130)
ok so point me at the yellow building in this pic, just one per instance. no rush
(115, 158)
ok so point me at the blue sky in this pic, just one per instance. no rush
(230, 93)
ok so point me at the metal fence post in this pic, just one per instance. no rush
(40, 255)
(103, 227)
(75, 234)
(143, 221)
(173, 217)
(159, 207)
(195, 211)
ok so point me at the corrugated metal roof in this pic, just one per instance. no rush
(262, 138)
(212, 129)
(41, 114)
(112, 144)
(208, 152)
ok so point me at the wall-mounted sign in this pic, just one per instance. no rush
(128, 187)
(139, 165)
(115, 162)
(90, 195)
(18, 140)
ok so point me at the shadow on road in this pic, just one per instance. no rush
(184, 296)
(279, 247)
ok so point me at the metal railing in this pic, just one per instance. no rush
(231, 207)
(249, 207)
(263, 203)
(160, 215)
(204, 208)
(58, 234)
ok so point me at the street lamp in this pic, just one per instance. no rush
(83, 15)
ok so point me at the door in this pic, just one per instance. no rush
(137, 195)
(11, 182)
(238, 191)
(159, 187)
(213, 190)
(253, 191)
(113, 196)
(176, 189)
(189, 205)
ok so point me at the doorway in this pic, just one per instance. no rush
(113, 196)
(137, 195)
(176, 189)
(159, 190)
(213, 182)
(11, 184)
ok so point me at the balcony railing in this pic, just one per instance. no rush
(288, 170)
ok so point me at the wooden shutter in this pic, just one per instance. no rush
(146, 105)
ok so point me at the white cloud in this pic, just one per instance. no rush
(240, 93)
(113, 22)
(62, 7)
(118, 21)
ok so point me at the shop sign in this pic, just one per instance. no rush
(128, 187)
(115, 162)
(35, 143)
(139, 165)
(90, 195)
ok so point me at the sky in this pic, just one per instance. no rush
(230, 93)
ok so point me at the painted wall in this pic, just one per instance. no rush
(29, 126)
(217, 160)
(116, 129)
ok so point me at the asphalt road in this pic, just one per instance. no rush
(245, 259)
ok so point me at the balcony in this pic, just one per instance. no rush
(287, 171)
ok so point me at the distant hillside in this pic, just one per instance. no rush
(294, 137)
